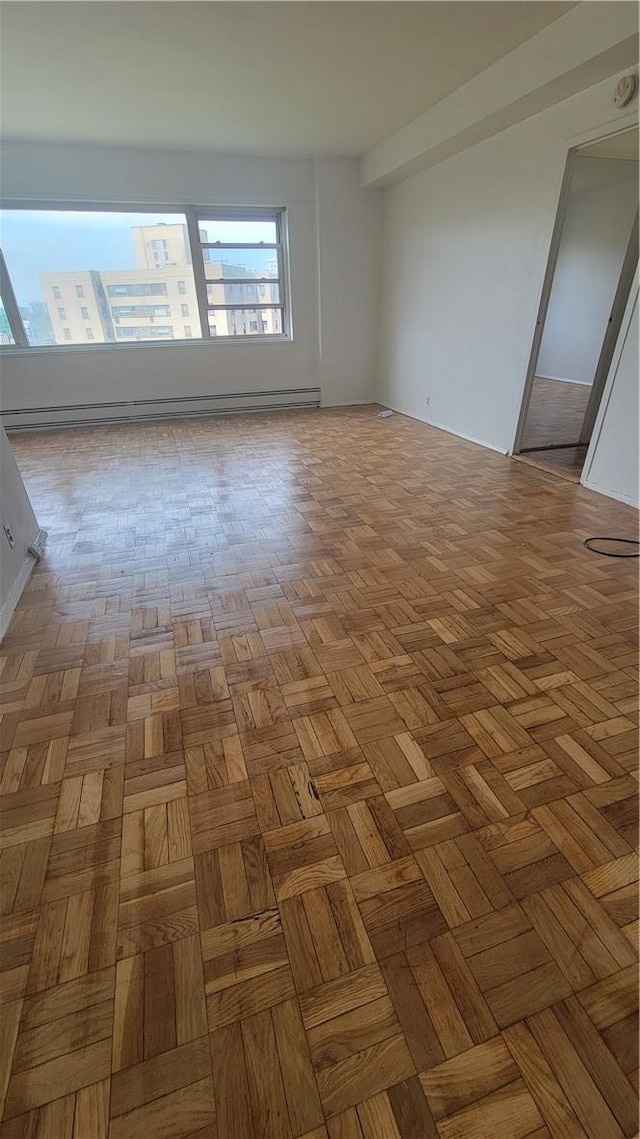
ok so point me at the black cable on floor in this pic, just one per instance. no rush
(607, 553)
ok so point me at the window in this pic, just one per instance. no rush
(150, 311)
(145, 332)
(130, 264)
(243, 260)
(138, 289)
(160, 253)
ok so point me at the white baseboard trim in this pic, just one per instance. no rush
(563, 380)
(15, 593)
(443, 427)
(628, 499)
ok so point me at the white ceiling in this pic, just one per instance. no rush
(251, 78)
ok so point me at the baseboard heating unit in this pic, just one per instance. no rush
(129, 411)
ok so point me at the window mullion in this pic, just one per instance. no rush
(282, 278)
(11, 308)
(197, 264)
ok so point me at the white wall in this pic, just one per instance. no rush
(594, 241)
(61, 377)
(465, 246)
(16, 511)
(349, 243)
(613, 469)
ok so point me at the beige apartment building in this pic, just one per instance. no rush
(156, 300)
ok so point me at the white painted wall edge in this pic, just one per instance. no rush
(15, 593)
(588, 44)
(441, 427)
(562, 379)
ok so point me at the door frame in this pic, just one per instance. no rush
(582, 141)
(552, 261)
(623, 288)
(625, 329)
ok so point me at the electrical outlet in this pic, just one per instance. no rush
(9, 534)
(427, 401)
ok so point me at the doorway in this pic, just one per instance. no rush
(594, 254)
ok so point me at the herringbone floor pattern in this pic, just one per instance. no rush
(318, 791)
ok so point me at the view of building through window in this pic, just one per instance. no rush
(82, 277)
(6, 335)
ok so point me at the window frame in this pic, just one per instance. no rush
(194, 216)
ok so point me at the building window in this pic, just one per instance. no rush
(138, 289)
(146, 332)
(232, 262)
(90, 334)
(146, 311)
(160, 253)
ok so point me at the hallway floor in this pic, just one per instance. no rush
(318, 790)
(556, 412)
(565, 461)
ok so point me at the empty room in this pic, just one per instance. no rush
(319, 480)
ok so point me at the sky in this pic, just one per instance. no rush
(40, 241)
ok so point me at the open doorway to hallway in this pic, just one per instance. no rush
(589, 276)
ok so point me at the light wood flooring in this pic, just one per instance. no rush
(318, 791)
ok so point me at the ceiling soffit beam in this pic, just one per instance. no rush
(590, 43)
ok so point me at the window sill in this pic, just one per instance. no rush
(43, 349)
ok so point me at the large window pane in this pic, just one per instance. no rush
(73, 270)
(229, 263)
(245, 322)
(6, 335)
(238, 230)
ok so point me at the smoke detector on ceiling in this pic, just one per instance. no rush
(625, 90)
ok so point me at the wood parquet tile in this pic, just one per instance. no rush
(318, 791)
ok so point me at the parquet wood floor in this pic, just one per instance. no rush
(318, 791)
